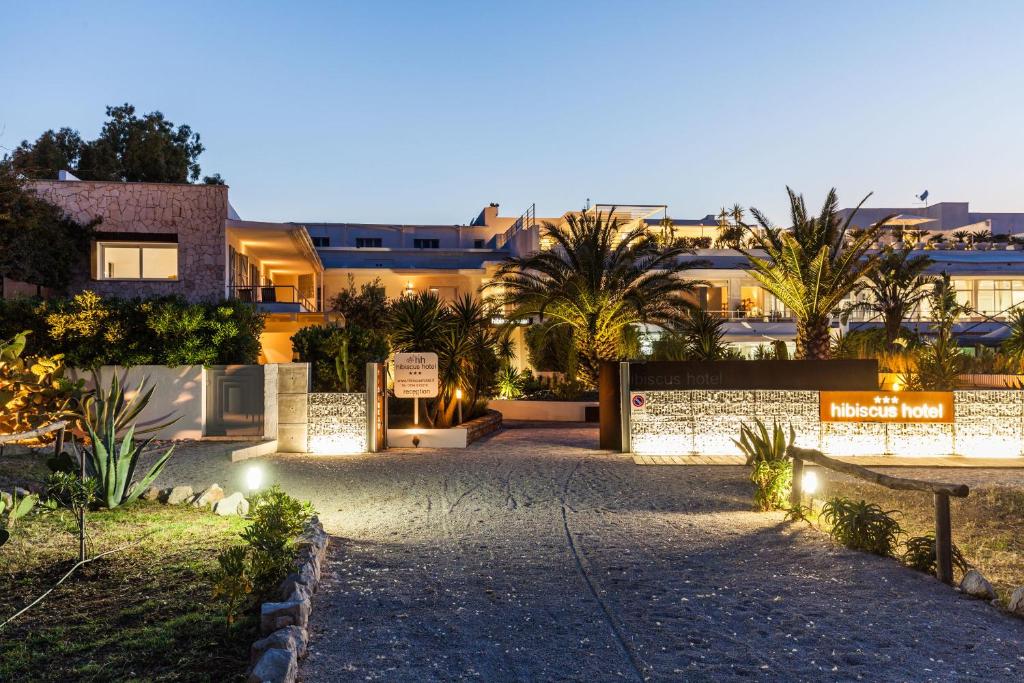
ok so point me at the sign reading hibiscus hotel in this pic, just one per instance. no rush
(921, 407)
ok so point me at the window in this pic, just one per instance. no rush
(321, 241)
(478, 244)
(137, 261)
(369, 242)
(426, 244)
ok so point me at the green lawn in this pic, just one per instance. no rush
(143, 614)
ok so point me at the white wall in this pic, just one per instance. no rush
(177, 392)
(547, 411)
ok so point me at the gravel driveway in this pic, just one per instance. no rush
(532, 556)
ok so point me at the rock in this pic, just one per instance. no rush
(235, 504)
(151, 494)
(976, 585)
(209, 497)
(21, 493)
(179, 494)
(1016, 603)
(293, 638)
(275, 615)
(275, 666)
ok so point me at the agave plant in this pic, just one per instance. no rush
(812, 266)
(860, 525)
(113, 453)
(112, 406)
(771, 471)
(919, 553)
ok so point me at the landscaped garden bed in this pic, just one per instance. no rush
(143, 613)
(986, 524)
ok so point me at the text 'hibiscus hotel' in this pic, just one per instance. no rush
(887, 408)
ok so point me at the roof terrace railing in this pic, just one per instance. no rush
(524, 222)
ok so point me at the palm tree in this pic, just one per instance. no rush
(703, 334)
(597, 281)
(895, 288)
(731, 230)
(940, 362)
(812, 266)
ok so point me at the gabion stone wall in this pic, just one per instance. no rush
(988, 424)
(337, 423)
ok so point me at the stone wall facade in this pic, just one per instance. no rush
(196, 214)
(705, 422)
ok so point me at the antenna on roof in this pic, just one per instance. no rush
(923, 197)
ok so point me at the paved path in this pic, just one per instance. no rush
(534, 557)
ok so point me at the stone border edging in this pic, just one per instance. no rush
(283, 625)
(480, 427)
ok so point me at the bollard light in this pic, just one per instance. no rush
(253, 478)
(458, 394)
(809, 482)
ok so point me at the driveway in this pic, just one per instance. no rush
(533, 556)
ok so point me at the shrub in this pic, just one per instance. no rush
(919, 553)
(33, 389)
(275, 520)
(771, 471)
(91, 330)
(860, 525)
(232, 582)
(338, 355)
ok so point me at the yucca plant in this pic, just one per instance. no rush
(703, 334)
(112, 457)
(812, 265)
(919, 553)
(510, 382)
(860, 525)
(771, 471)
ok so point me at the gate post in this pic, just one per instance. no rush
(624, 406)
(372, 390)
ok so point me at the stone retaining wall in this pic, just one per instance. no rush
(988, 423)
(480, 427)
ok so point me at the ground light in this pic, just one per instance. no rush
(809, 482)
(458, 397)
(253, 478)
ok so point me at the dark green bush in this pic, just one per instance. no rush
(860, 525)
(336, 353)
(92, 331)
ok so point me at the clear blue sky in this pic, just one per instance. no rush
(426, 111)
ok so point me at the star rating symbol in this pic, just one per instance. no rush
(887, 400)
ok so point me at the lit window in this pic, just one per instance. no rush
(137, 261)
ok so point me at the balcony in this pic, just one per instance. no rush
(274, 298)
(753, 316)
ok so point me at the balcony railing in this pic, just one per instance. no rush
(737, 315)
(273, 294)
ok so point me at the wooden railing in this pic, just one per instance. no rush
(59, 427)
(940, 492)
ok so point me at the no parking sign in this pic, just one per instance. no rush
(638, 401)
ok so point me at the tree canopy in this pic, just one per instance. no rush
(129, 147)
(38, 243)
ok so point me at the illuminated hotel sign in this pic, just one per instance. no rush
(923, 407)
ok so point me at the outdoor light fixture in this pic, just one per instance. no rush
(809, 482)
(458, 397)
(896, 386)
(253, 478)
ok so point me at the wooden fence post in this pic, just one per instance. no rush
(943, 540)
(796, 493)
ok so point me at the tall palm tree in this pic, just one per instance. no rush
(895, 288)
(812, 266)
(598, 280)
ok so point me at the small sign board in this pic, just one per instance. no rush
(638, 402)
(416, 375)
(914, 407)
